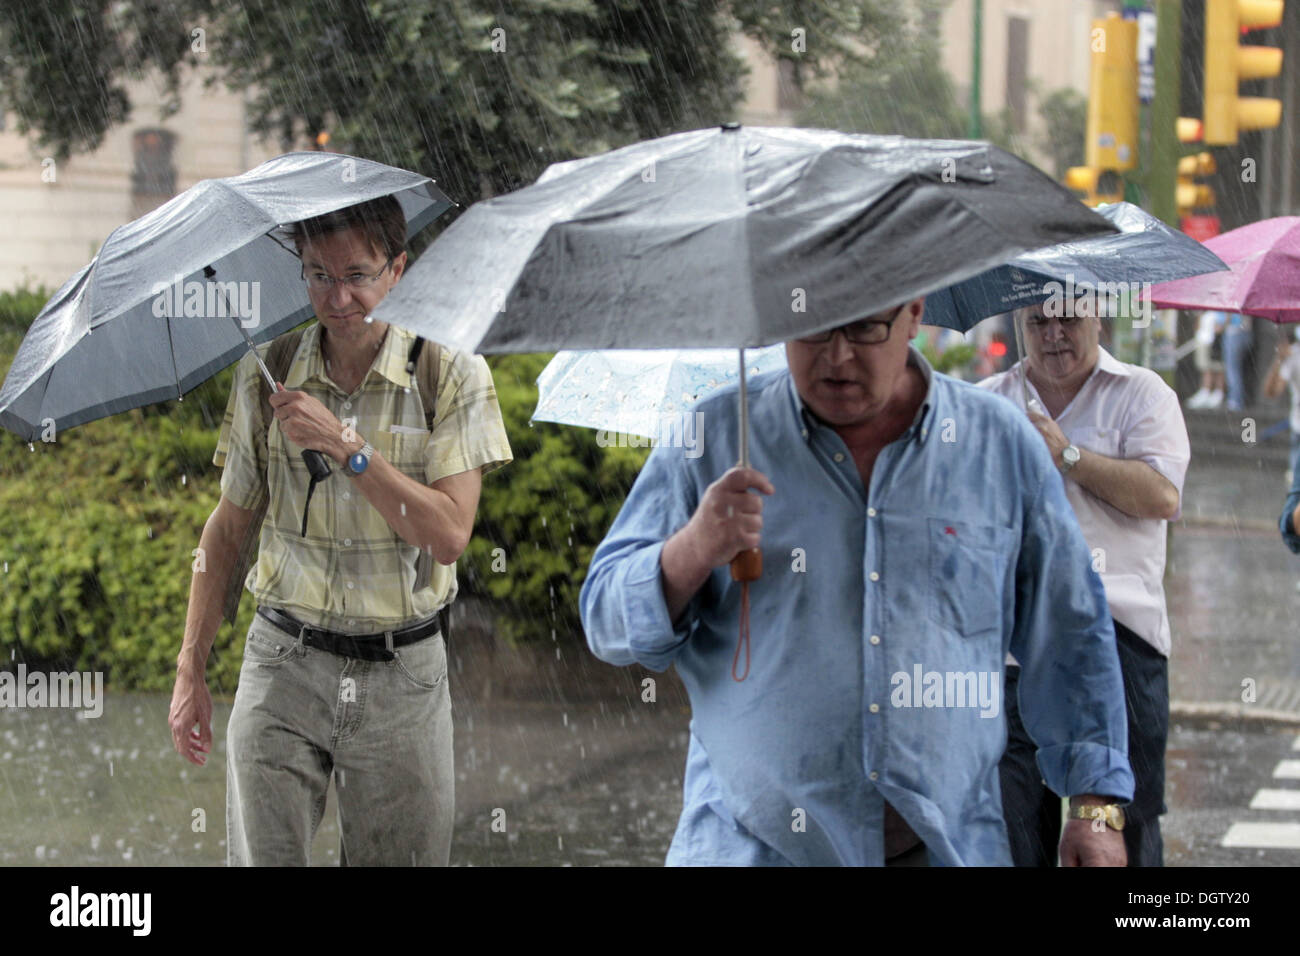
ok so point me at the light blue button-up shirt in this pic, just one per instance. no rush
(879, 630)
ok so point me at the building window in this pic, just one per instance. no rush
(789, 87)
(1018, 71)
(153, 177)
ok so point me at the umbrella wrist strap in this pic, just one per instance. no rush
(743, 639)
(311, 487)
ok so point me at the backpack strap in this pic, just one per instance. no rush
(424, 364)
(278, 359)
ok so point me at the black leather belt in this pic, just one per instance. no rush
(366, 647)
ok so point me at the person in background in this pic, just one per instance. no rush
(1283, 373)
(1236, 347)
(1209, 360)
(1117, 435)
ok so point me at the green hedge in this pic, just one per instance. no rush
(97, 529)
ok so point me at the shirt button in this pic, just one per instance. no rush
(347, 542)
(347, 496)
(839, 456)
(871, 512)
(873, 776)
(349, 585)
(874, 708)
(804, 432)
(347, 405)
(875, 638)
(874, 576)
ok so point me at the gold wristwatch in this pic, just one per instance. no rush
(1111, 813)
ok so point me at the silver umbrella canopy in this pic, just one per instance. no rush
(728, 237)
(171, 296)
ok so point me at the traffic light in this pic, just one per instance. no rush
(1227, 63)
(1192, 195)
(1113, 95)
(1112, 136)
(1097, 185)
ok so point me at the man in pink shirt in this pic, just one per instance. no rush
(1116, 433)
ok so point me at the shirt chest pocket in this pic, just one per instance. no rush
(1103, 441)
(404, 450)
(968, 574)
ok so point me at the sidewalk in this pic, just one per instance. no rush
(1231, 584)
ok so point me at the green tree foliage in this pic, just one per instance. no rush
(478, 94)
(541, 518)
(1065, 127)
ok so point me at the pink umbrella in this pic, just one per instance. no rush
(1264, 259)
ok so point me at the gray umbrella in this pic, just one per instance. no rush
(174, 296)
(727, 237)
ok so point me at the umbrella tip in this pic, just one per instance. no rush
(728, 127)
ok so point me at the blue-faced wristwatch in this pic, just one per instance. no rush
(358, 462)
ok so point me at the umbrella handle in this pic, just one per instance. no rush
(747, 565)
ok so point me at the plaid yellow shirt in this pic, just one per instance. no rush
(352, 572)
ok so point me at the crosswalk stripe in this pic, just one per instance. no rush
(1276, 800)
(1284, 836)
(1287, 770)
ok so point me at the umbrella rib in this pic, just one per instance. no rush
(171, 346)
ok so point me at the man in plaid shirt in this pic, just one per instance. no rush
(345, 668)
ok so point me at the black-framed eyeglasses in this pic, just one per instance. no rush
(323, 282)
(868, 331)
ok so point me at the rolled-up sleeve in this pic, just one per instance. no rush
(468, 431)
(1158, 436)
(241, 450)
(624, 611)
(1071, 691)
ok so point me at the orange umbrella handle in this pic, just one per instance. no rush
(747, 566)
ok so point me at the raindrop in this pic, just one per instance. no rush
(31, 447)
(183, 479)
(369, 320)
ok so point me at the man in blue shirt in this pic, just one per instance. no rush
(914, 530)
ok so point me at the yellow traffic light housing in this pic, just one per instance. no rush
(1227, 63)
(1097, 185)
(1190, 194)
(1113, 95)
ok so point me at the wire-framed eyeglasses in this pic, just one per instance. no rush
(323, 282)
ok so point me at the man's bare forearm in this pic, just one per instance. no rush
(421, 516)
(207, 591)
(682, 573)
(1130, 485)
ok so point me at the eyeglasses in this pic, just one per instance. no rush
(869, 331)
(323, 282)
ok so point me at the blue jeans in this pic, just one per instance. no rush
(1236, 343)
(381, 728)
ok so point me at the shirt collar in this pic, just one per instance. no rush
(1111, 365)
(390, 362)
(809, 423)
